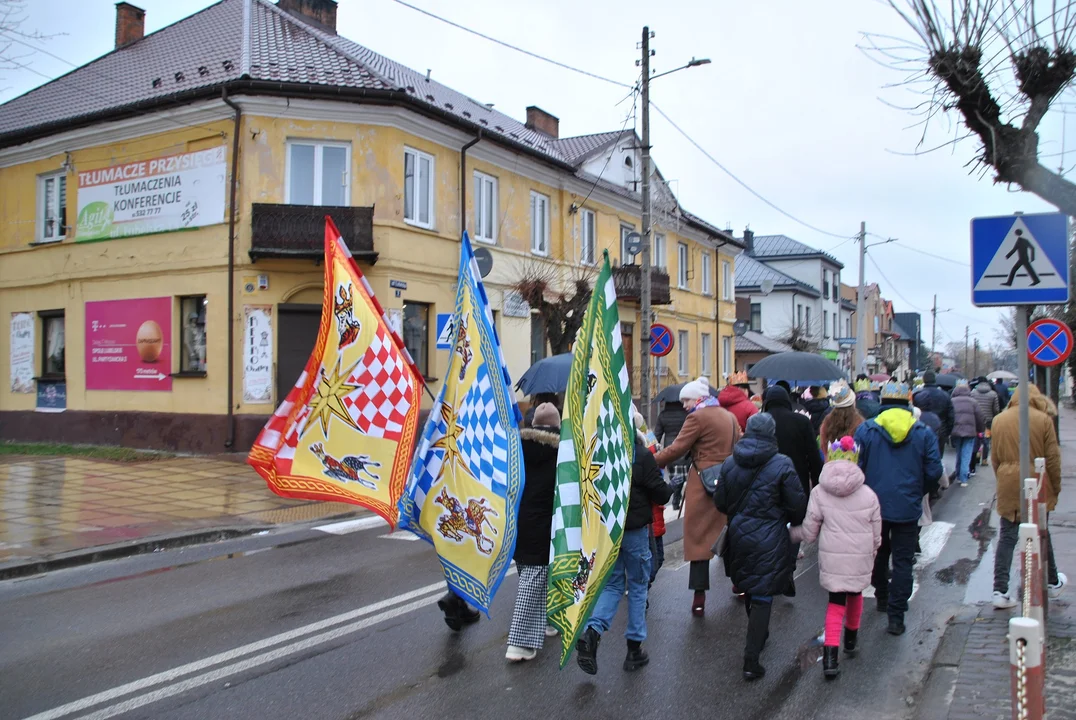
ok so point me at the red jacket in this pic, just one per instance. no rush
(735, 400)
(659, 520)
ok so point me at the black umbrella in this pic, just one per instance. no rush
(797, 368)
(549, 375)
(672, 393)
(946, 381)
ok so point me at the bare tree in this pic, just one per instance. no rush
(560, 305)
(800, 336)
(13, 48)
(1000, 64)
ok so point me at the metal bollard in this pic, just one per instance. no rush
(1027, 671)
(1042, 519)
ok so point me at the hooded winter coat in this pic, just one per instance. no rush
(900, 459)
(735, 400)
(967, 417)
(796, 437)
(540, 446)
(866, 404)
(818, 408)
(667, 427)
(761, 488)
(1005, 451)
(647, 489)
(986, 398)
(1004, 395)
(933, 399)
(844, 515)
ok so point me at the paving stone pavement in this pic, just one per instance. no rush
(52, 506)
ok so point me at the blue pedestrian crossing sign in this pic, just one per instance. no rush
(444, 331)
(1020, 260)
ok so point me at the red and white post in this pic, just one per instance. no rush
(1027, 670)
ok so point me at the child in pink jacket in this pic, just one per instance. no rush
(844, 515)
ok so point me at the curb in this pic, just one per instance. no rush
(117, 551)
(940, 682)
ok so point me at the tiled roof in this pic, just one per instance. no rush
(900, 331)
(212, 48)
(750, 273)
(784, 246)
(756, 342)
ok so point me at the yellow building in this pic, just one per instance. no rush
(164, 209)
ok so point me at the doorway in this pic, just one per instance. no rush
(297, 336)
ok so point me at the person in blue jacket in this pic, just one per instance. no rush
(900, 459)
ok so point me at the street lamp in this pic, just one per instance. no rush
(645, 290)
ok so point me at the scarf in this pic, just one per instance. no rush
(708, 401)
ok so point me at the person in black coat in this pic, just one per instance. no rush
(632, 565)
(670, 421)
(796, 437)
(540, 445)
(760, 492)
(933, 399)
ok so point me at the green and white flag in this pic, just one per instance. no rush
(593, 467)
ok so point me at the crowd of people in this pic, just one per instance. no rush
(852, 469)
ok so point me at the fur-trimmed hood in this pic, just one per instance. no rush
(541, 435)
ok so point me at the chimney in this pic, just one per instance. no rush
(538, 119)
(749, 242)
(319, 13)
(130, 24)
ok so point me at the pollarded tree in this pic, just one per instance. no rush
(1001, 64)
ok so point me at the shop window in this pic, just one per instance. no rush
(52, 207)
(416, 334)
(54, 344)
(318, 174)
(192, 341)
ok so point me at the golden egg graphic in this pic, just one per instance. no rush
(149, 340)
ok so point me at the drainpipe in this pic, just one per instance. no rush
(463, 181)
(230, 442)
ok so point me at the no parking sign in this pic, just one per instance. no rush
(1049, 342)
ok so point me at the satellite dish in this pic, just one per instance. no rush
(740, 327)
(484, 259)
(766, 286)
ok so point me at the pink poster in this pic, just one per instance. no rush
(129, 344)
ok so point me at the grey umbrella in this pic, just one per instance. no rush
(549, 375)
(798, 368)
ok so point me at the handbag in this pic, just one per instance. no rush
(721, 545)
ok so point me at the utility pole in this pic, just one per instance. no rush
(975, 363)
(965, 350)
(861, 304)
(644, 293)
(933, 329)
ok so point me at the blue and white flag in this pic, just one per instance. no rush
(467, 478)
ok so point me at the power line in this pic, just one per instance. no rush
(631, 114)
(512, 47)
(910, 304)
(922, 252)
(742, 184)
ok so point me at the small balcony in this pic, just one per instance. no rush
(298, 231)
(628, 282)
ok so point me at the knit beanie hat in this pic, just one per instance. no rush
(840, 395)
(546, 415)
(762, 424)
(696, 389)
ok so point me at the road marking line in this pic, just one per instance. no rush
(400, 535)
(931, 541)
(350, 526)
(236, 668)
(174, 673)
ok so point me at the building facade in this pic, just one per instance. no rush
(163, 236)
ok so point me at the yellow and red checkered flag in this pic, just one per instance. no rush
(346, 430)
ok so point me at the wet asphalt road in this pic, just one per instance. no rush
(311, 625)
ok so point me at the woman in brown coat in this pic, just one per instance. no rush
(708, 434)
(1005, 457)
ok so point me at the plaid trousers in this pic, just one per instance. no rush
(529, 616)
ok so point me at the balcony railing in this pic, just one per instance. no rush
(627, 280)
(298, 231)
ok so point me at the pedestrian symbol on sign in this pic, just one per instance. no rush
(1020, 262)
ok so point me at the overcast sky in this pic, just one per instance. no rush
(789, 104)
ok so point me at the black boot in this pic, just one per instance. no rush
(830, 668)
(586, 651)
(883, 602)
(850, 639)
(896, 625)
(758, 626)
(636, 657)
(790, 591)
(457, 612)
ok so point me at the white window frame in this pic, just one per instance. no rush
(706, 350)
(42, 180)
(726, 355)
(588, 237)
(682, 342)
(707, 274)
(658, 257)
(683, 260)
(419, 155)
(727, 282)
(487, 235)
(539, 245)
(318, 146)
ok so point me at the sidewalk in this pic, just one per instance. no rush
(57, 512)
(969, 677)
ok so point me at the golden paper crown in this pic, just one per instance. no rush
(739, 378)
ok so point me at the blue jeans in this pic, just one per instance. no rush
(964, 448)
(633, 563)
